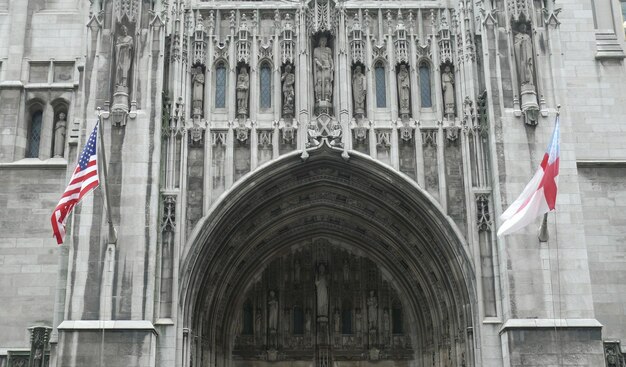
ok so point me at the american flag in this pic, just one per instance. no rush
(84, 179)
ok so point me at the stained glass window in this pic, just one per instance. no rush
(425, 89)
(396, 317)
(247, 318)
(298, 321)
(346, 321)
(34, 135)
(220, 86)
(266, 86)
(381, 89)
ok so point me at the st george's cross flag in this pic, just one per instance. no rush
(539, 196)
(84, 179)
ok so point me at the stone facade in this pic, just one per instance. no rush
(312, 182)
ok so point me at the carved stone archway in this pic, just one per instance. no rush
(360, 203)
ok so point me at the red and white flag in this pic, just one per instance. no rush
(539, 196)
(84, 179)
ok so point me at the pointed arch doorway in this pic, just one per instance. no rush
(327, 262)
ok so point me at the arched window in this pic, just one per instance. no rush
(220, 86)
(298, 321)
(247, 319)
(266, 86)
(425, 89)
(34, 135)
(396, 319)
(381, 88)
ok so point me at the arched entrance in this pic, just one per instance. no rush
(244, 299)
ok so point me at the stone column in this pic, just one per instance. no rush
(343, 82)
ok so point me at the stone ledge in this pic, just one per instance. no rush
(52, 163)
(117, 325)
(549, 323)
(612, 163)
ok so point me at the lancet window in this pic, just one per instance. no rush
(425, 87)
(34, 134)
(266, 86)
(220, 86)
(381, 88)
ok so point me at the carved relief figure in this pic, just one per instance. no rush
(323, 70)
(198, 92)
(285, 321)
(296, 271)
(337, 321)
(59, 136)
(243, 86)
(386, 323)
(322, 291)
(524, 55)
(346, 270)
(123, 56)
(359, 91)
(372, 311)
(447, 85)
(288, 79)
(404, 90)
(273, 311)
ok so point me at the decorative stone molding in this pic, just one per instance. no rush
(483, 215)
(168, 219)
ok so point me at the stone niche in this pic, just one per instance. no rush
(280, 320)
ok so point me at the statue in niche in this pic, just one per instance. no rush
(322, 291)
(123, 57)
(346, 270)
(243, 86)
(288, 79)
(323, 73)
(447, 85)
(372, 311)
(257, 322)
(198, 92)
(59, 136)
(404, 90)
(273, 312)
(307, 321)
(337, 321)
(359, 91)
(386, 322)
(524, 55)
(358, 321)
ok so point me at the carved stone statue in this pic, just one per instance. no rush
(288, 79)
(323, 73)
(404, 90)
(447, 85)
(346, 270)
(322, 291)
(59, 136)
(123, 57)
(257, 322)
(273, 311)
(307, 321)
(337, 321)
(359, 321)
(386, 322)
(285, 321)
(243, 87)
(359, 91)
(296, 272)
(372, 311)
(524, 56)
(198, 92)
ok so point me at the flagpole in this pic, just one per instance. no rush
(103, 168)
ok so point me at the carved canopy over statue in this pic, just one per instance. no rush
(323, 73)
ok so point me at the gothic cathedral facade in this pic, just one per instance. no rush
(297, 183)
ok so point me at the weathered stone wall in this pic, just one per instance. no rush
(604, 208)
(28, 253)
